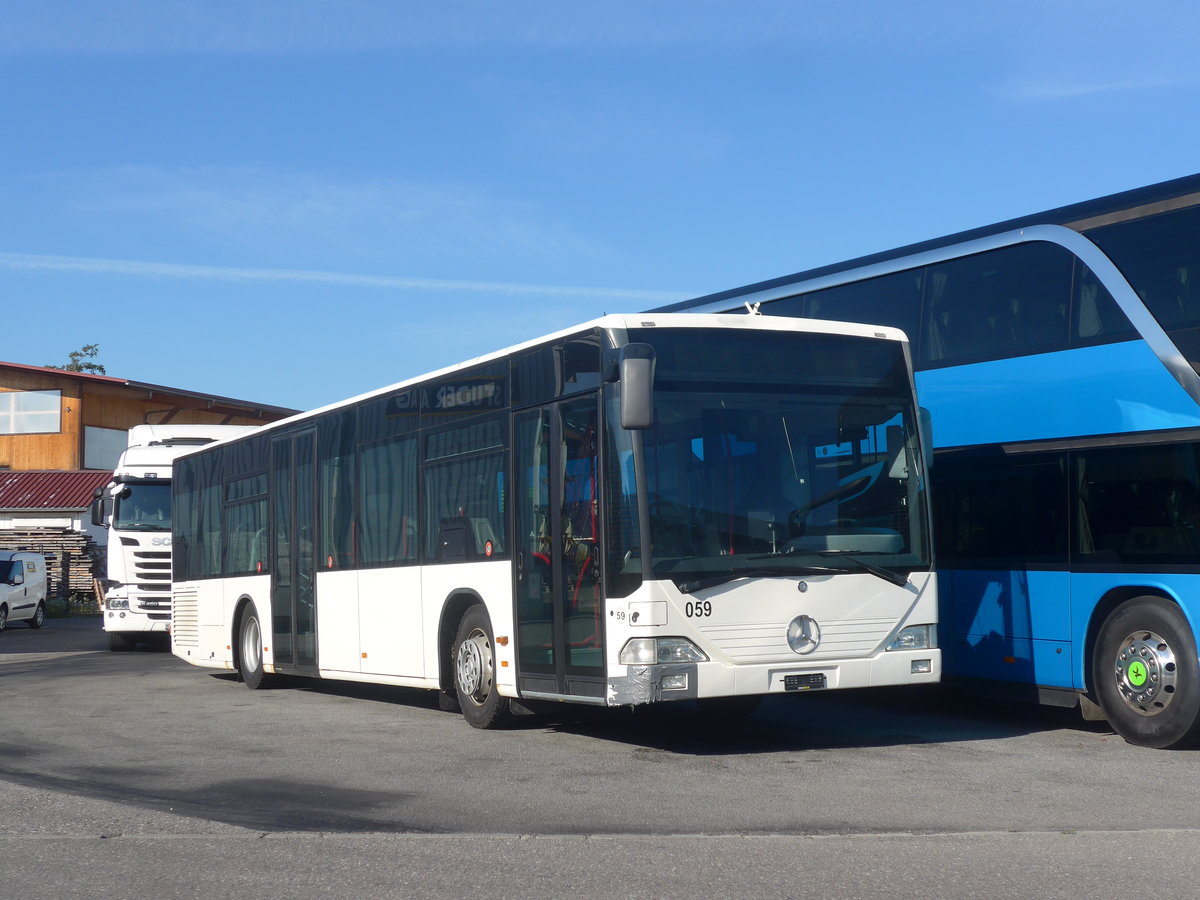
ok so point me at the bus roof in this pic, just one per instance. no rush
(610, 322)
(1161, 197)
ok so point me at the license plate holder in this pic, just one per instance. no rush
(810, 681)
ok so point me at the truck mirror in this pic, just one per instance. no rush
(98, 508)
(637, 386)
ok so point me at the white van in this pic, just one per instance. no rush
(22, 588)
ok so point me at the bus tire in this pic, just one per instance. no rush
(475, 671)
(250, 649)
(119, 641)
(38, 619)
(1147, 676)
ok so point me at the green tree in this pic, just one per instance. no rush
(81, 361)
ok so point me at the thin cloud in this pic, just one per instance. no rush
(143, 269)
(1070, 90)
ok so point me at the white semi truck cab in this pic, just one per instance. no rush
(136, 509)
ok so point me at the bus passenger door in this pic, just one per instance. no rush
(558, 588)
(293, 607)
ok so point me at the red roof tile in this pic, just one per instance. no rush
(49, 490)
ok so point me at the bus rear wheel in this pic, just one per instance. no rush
(250, 649)
(1147, 676)
(475, 671)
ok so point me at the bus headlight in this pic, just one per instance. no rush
(648, 651)
(914, 637)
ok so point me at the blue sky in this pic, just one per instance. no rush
(295, 201)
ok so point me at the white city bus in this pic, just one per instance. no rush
(643, 508)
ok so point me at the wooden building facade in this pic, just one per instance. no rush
(52, 419)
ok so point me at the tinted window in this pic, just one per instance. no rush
(1009, 302)
(1095, 316)
(397, 413)
(993, 510)
(335, 455)
(387, 529)
(1160, 257)
(692, 358)
(465, 508)
(1138, 505)
(465, 393)
(891, 300)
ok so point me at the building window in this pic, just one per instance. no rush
(30, 412)
(102, 447)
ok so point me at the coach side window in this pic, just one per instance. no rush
(893, 300)
(1004, 303)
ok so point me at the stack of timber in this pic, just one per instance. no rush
(73, 560)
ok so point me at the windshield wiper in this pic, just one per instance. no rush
(886, 574)
(856, 564)
(699, 584)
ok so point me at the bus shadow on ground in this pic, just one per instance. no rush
(880, 717)
(873, 717)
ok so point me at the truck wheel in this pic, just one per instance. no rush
(39, 617)
(250, 650)
(119, 641)
(475, 671)
(1147, 675)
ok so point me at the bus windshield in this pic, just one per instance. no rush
(803, 463)
(143, 506)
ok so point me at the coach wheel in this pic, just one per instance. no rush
(39, 617)
(250, 650)
(475, 671)
(1147, 676)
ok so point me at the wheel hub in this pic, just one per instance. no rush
(472, 664)
(1145, 673)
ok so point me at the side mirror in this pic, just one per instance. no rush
(637, 386)
(98, 507)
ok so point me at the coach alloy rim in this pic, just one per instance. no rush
(1145, 672)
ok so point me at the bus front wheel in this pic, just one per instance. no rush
(250, 649)
(475, 671)
(1147, 676)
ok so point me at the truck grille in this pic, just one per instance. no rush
(185, 627)
(152, 571)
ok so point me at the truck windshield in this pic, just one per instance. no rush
(142, 506)
(782, 452)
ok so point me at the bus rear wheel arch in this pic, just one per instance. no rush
(1146, 674)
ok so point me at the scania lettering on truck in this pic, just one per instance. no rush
(136, 509)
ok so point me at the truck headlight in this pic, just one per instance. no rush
(117, 604)
(648, 651)
(914, 637)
